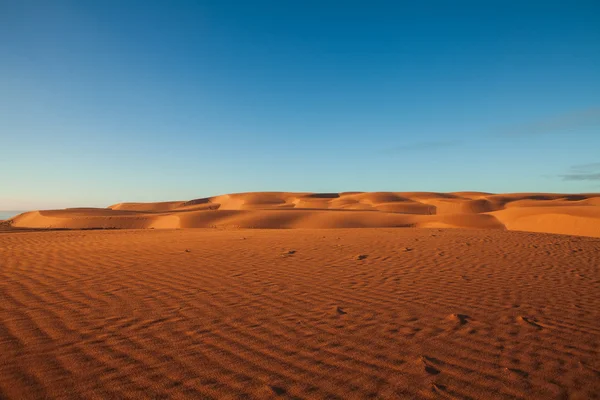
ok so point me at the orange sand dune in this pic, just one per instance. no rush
(154, 207)
(300, 314)
(539, 212)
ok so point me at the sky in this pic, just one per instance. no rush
(109, 101)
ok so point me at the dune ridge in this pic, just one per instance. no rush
(572, 214)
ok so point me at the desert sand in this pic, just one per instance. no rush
(537, 212)
(459, 304)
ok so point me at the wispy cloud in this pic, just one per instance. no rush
(583, 172)
(562, 123)
(586, 167)
(422, 146)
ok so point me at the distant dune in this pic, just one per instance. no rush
(538, 212)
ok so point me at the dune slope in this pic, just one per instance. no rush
(538, 212)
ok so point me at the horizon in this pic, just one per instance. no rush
(110, 102)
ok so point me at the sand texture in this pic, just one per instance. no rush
(304, 313)
(536, 212)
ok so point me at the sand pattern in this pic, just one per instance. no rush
(535, 212)
(338, 314)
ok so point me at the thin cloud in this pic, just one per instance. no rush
(564, 123)
(586, 167)
(422, 146)
(581, 177)
(583, 172)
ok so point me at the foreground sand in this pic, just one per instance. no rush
(571, 214)
(362, 313)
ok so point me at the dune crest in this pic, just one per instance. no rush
(537, 212)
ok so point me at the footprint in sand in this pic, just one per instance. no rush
(427, 367)
(529, 321)
(278, 390)
(459, 318)
(440, 389)
(340, 310)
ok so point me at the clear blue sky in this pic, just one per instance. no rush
(110, 101)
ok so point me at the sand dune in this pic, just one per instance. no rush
(325, 314)
(153, 207)
(537, 212)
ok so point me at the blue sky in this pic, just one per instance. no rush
(110, 101)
